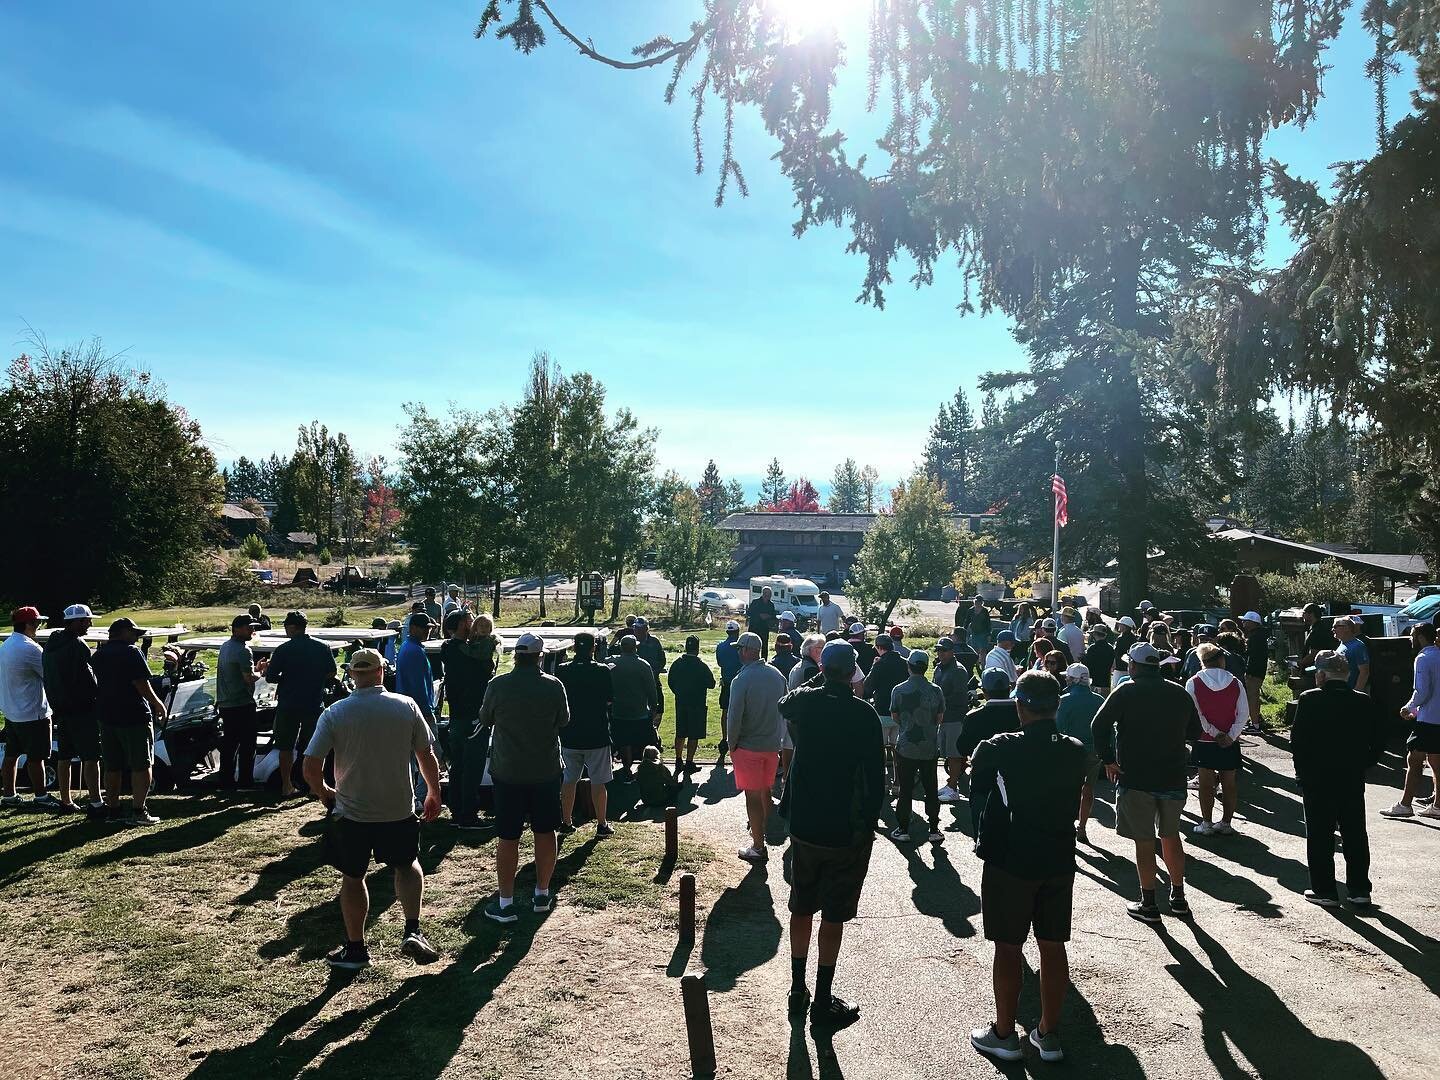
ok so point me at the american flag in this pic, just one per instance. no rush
(1062, 502)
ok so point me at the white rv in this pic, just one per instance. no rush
(795, 594)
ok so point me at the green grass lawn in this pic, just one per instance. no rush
(194, 948)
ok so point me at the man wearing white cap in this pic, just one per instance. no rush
(1124, 641)
(788, 628)
(70, 685)
(1074, 717)
(525, 710)
(1257, 662)
(374, 735)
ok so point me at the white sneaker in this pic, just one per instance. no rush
(1193, 784)
(753, 854)
(1224, 828)
(949, 795)
(1431, 812)
(1202, 828)
(1400, 809)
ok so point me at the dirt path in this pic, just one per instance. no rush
(1260, 983)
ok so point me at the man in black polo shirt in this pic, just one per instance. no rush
(1024, 794)
(585, 741)
(301, 668)
(832, 799)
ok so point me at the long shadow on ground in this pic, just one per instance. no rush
(741, 931)
(1237, 1008)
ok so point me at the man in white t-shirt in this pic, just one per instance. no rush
(373, 735)
(27, 712)
(830, 617)
(999, 656)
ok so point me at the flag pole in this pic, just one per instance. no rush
(1055, 555)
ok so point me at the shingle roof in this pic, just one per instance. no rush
(236, 512)
(1409, 566)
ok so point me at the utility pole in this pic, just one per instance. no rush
(1055, 554)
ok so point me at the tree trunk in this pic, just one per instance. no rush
(619, 580)
(1132, 532)
(542, 590)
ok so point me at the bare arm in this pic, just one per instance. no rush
(157, 707)
(314, 769)
(430, 770)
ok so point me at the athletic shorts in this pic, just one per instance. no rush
(1094, 768)
(724, 694)
(30, 740)
(1209, 755)
(754, 769)
(126, 746)
(1011, 906)
(515, 804)
(827, 879)
(595, 763)
(691, 721)
(349, 844)
(1139, 815)
(950, 737)
(78, 736)
(293, 727)
(1424, 738)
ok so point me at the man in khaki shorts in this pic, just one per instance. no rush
(1143, 734)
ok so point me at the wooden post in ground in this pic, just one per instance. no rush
(672, 834)
(687, 909)
(697, 1026)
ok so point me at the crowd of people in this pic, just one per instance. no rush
(1025, 721)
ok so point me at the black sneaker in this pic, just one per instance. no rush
(504, 915)
(1179, 905)
(835, 1014)
(467, 824)
(799, 1002)
(1146, 913)
(349, 957)
(417, 946)
(565, 828)
(543, 905)
(605, 831)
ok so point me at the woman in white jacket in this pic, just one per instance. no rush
(1224, 710)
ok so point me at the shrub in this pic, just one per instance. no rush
(1323, 584)
(336, 616)
(324, 556)
(253, 548)
(399, 572)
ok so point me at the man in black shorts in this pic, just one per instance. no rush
(374, 734)
(832, 799)
(301, 668)
(1024, 794)
(525, 710)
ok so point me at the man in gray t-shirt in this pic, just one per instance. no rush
(236, 673)
(373, 735)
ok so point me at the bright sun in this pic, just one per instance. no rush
(808, 16)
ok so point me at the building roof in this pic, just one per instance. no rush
(1398, 566)
(300, 537)
(804, 521)
(236, 512)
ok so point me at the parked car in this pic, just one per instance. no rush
(721, 601)
(1422, 610)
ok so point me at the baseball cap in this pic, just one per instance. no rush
(1146, 605)
(641, 623)
(420, 619)
(1048, 624)
(1126, 620)
(856, 629)
(1101, 631)
(530, 644)
(897, 633)
(918, 660)
(1143, 653)
(995, 682)
(748, 640)
(123, 625)
(366, 660)
(296, 617)
(393, 624)
(1252, 616)
(241, 620)
(377, 623)
(1078, 672)
(1205, 629)
(884, 642)
(732, 625)
(945, 644)
(78, 611)
(1006, 636)
(1331, 663)
(788, 615)
(839, 657)
(22, 615)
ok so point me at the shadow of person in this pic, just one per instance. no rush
(719, 785)
(1248, 851)
(1271, 799)
(1238, 1009)
(741, 931)
(1080, 1033)
(939, 892)
(1412, 950)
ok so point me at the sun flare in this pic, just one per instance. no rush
(810, 16)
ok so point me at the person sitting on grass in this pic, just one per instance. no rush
(657, 785)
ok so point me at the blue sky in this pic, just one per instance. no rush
(287, 213)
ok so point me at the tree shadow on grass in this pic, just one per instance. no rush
(741, 931)
(1237, 1008)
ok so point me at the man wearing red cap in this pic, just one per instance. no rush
(27, 712)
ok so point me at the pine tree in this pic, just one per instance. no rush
(773, 489)
(947, 454)
(869, 486)
(847, 489)
(714, 499)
